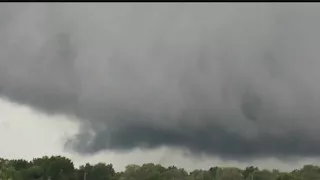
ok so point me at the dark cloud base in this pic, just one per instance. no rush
(211, 140)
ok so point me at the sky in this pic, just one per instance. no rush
(225, 83)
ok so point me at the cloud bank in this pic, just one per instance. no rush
(233, 80)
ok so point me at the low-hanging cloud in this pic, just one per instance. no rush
(233, 80)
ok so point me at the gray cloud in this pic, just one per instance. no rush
(234, 80)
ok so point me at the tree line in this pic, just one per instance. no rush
(62, 168)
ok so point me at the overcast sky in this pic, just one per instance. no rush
(234, 81)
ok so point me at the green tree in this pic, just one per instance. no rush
(308, 172)
(287, 176)
(231, 174)
(9, 173)
(33, 172)
(214, 172)
(248, 171)
(173, 172)
(101, 171)
(264, 175)
(19, 164)
(62, 168)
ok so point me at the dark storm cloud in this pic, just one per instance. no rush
(212, 140)
(233, 80)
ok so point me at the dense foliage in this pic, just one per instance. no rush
(62, 168)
